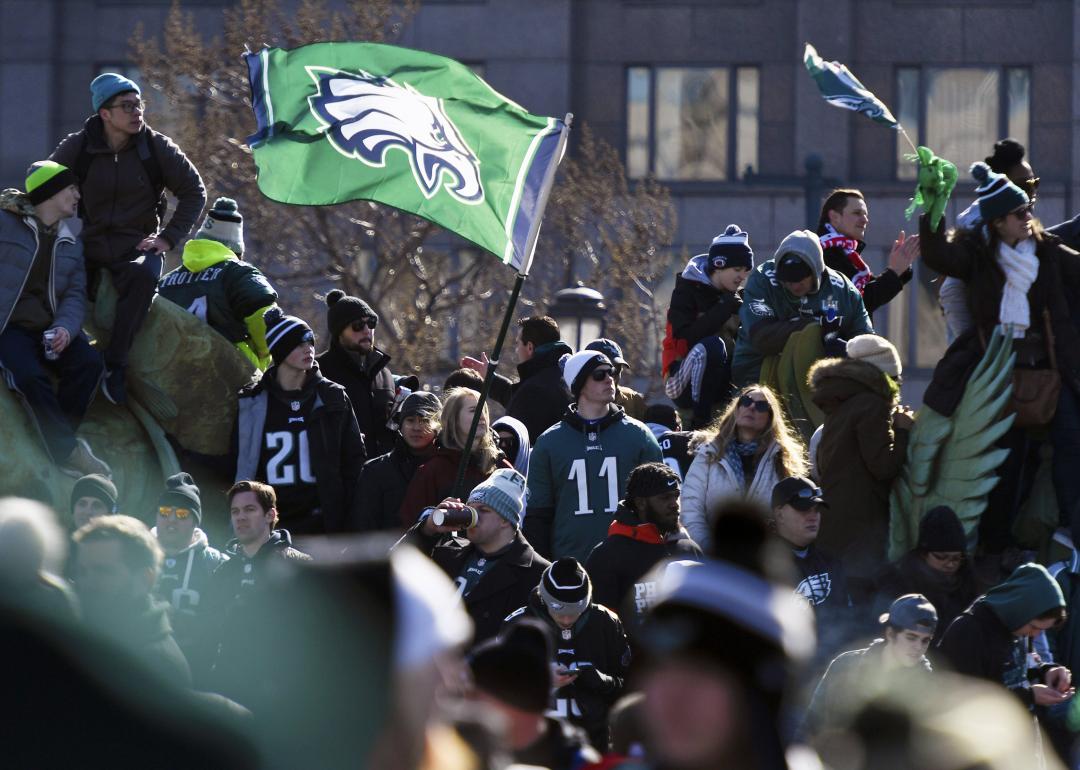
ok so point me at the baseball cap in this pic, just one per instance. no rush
(609, 348)
(792, 268)
(798, 492)
(911, 612)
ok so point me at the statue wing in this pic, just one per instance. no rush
(953, 460)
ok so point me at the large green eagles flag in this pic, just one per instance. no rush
(842, 89)
(420, 132)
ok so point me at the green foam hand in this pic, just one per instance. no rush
(936, 180)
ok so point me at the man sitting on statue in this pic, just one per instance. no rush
(215, 284)
(42, 303)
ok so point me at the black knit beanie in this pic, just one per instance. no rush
(284, 333)
(342, 310)
(97, 486)
(515, 667)
(181, 492)
(941, 531)
(649, 479)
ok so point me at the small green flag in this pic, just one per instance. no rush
(420, 132)
(842, 89)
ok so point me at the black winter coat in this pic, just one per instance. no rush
(880, 289)
(561, 747)
(371, 390)
(697, 310)
(598, 641)
(540, 397)
(382, 486)
(502, 590)
(1056, 289)
(950, 594)
(618, 564)
(143, 628)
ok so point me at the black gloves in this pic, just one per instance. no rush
(835, 347)
(589, 678)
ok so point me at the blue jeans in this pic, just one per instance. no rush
(58, 412)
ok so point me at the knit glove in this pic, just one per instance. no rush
(593, 680)
(830, 323)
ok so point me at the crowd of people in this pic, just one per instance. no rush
(584, 583)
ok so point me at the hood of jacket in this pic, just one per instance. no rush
(696, 270)
(517, 427)
(1027, 593)
(200, 254)
(199, 542)
(268, 381)
(835, 380)
(576, 421)
(280, 539)
(545, 356)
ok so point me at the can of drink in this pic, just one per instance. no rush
(47, 340)
(463, 519)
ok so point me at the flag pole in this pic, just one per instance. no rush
(493, 362)
(911, 144)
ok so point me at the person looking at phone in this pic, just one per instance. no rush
(592, 653)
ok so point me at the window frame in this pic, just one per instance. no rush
(733, 174)
(919, 137)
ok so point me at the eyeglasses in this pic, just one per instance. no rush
(364, 323)
(602, 374)
(1024, 211)
(947, 558)
(167, 511)
(749, 403)
(129, 106)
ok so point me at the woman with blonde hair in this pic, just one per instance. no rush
(741, 455)
(435, 479)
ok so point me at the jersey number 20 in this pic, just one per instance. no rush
(279, 469)
(609, 471)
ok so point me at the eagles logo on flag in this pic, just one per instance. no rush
(842, 89)
(366, 117)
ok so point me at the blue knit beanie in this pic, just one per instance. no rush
(996, 194)
(108, 85)
(731, 249)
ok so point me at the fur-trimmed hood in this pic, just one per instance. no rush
(835, 380)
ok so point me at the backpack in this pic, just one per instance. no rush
(147, 155)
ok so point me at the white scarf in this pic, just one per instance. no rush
(1020, 266)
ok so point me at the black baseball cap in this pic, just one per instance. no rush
(792, 268)
(798, 492)
(912, 612)
(609, 348)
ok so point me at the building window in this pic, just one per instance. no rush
(692, 123)
(959, 112)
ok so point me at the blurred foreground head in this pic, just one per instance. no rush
(721, 642)
(947, 722)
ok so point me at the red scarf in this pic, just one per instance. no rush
(646, 533)
(850, 246)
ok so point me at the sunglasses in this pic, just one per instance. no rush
(806, 494)
(749, 403)
(1030, 185)
(166, 511)
(364, 323)
(602, 374)
(505, 443)
(1023, 211)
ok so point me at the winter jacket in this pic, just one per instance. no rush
(876, 290)
(503, 588)
(1068, 231)
(183, 584)
(676, 447)
(1056, 288)
(540, 396)
(847, 675)
(632, 402)
(770, 314)
(434, 481)
(823, 583)
(618, 564)
(1065, 640)
(980, 642)
(950, 594)
(118, 198)
(577, 475)
(597, 641)
(520, 460)
(859, 456)
(697, 310)
(711, 480)
(561, 747)
(382, 486)
(142, 627)
(18, 247)
(231, 622)
(371, 390)
(227, 293)
(334, 440)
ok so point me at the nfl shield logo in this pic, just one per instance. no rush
(295, 406)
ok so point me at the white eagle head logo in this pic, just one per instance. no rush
(367, 116)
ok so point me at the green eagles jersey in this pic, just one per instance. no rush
(218, 288)
(580, 469)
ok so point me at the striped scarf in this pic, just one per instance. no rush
(850, 247)
(736, 451)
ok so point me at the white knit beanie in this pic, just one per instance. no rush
(875, 350)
